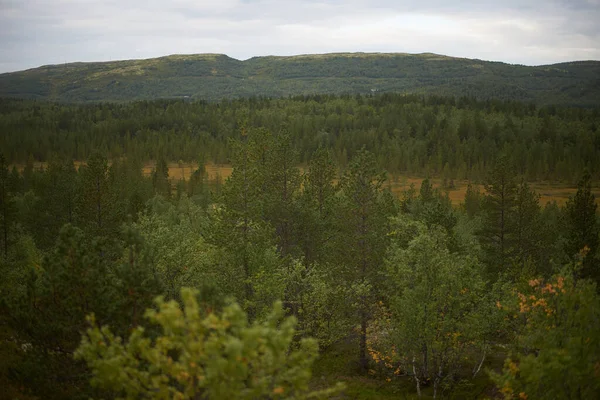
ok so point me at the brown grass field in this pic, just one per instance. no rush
(548, 191)
(398, 184)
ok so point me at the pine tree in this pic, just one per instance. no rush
(240, 226)
(281, 184)
(215, 356)
(526, 225)
(426, 193)
(197, 184)
(362, 226)
(58, 199)
(583, 228)
(317, 201)
(73, 281)
(473, 199)
(95, 206)
(137, 281)
(499, 205)
(160, 178)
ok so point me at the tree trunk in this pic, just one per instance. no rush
(416, 378)
(363, 341)
(437, 380)
(478, 368)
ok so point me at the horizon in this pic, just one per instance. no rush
(34, 33)
(291, 56)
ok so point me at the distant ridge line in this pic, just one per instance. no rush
(214, 76)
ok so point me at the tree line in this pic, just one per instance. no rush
(454, 138)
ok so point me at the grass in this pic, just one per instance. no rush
(548, 191)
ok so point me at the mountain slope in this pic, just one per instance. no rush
(215, 76)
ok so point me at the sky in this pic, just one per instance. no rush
(530, 32)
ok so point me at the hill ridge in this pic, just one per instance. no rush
(214, 76)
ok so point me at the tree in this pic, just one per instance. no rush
(212, 356)
(434, 208)
(240, 229)
(557, 352)
(362, 223)
(160, 178)
(472, 203)
(130, 189)
(426, 193)
(197, 188)
(583, 228)
(317, 207)
(436, 325)
(5, 204)
(526, 226)
(57, 201)
(95, 205)
(173, 233)
(72, 281)
(499, 205)
(137, 281)
(281, 182)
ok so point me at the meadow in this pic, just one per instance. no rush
(548, 191)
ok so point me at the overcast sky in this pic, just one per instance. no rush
(532, 32)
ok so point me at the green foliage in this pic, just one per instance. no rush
(45, 304)
(362, 224)
(160, 178)
(174, 237)
(96, 208)
(499, 205)
(316, 208)
(473, 199)
(432, 207)
(583, 228)
(6, 206)
(437, 321)
(217, 76)
(526, 226)
(46, 311)
(557, 349)
(240, 230)
(282, 228)
(196, 185)
(410, 134)
(211, 356)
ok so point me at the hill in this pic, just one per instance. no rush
(216, 76)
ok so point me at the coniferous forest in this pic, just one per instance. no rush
(301, 274)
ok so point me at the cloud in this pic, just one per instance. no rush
(38, 32)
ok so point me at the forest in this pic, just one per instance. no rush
(302, 275)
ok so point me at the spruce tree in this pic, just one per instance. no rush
(526, 226)
(362, 226)
(583, 228)
(95, 206)
(497, 233)
(317, 201)
(160, 178)
(472, 203)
